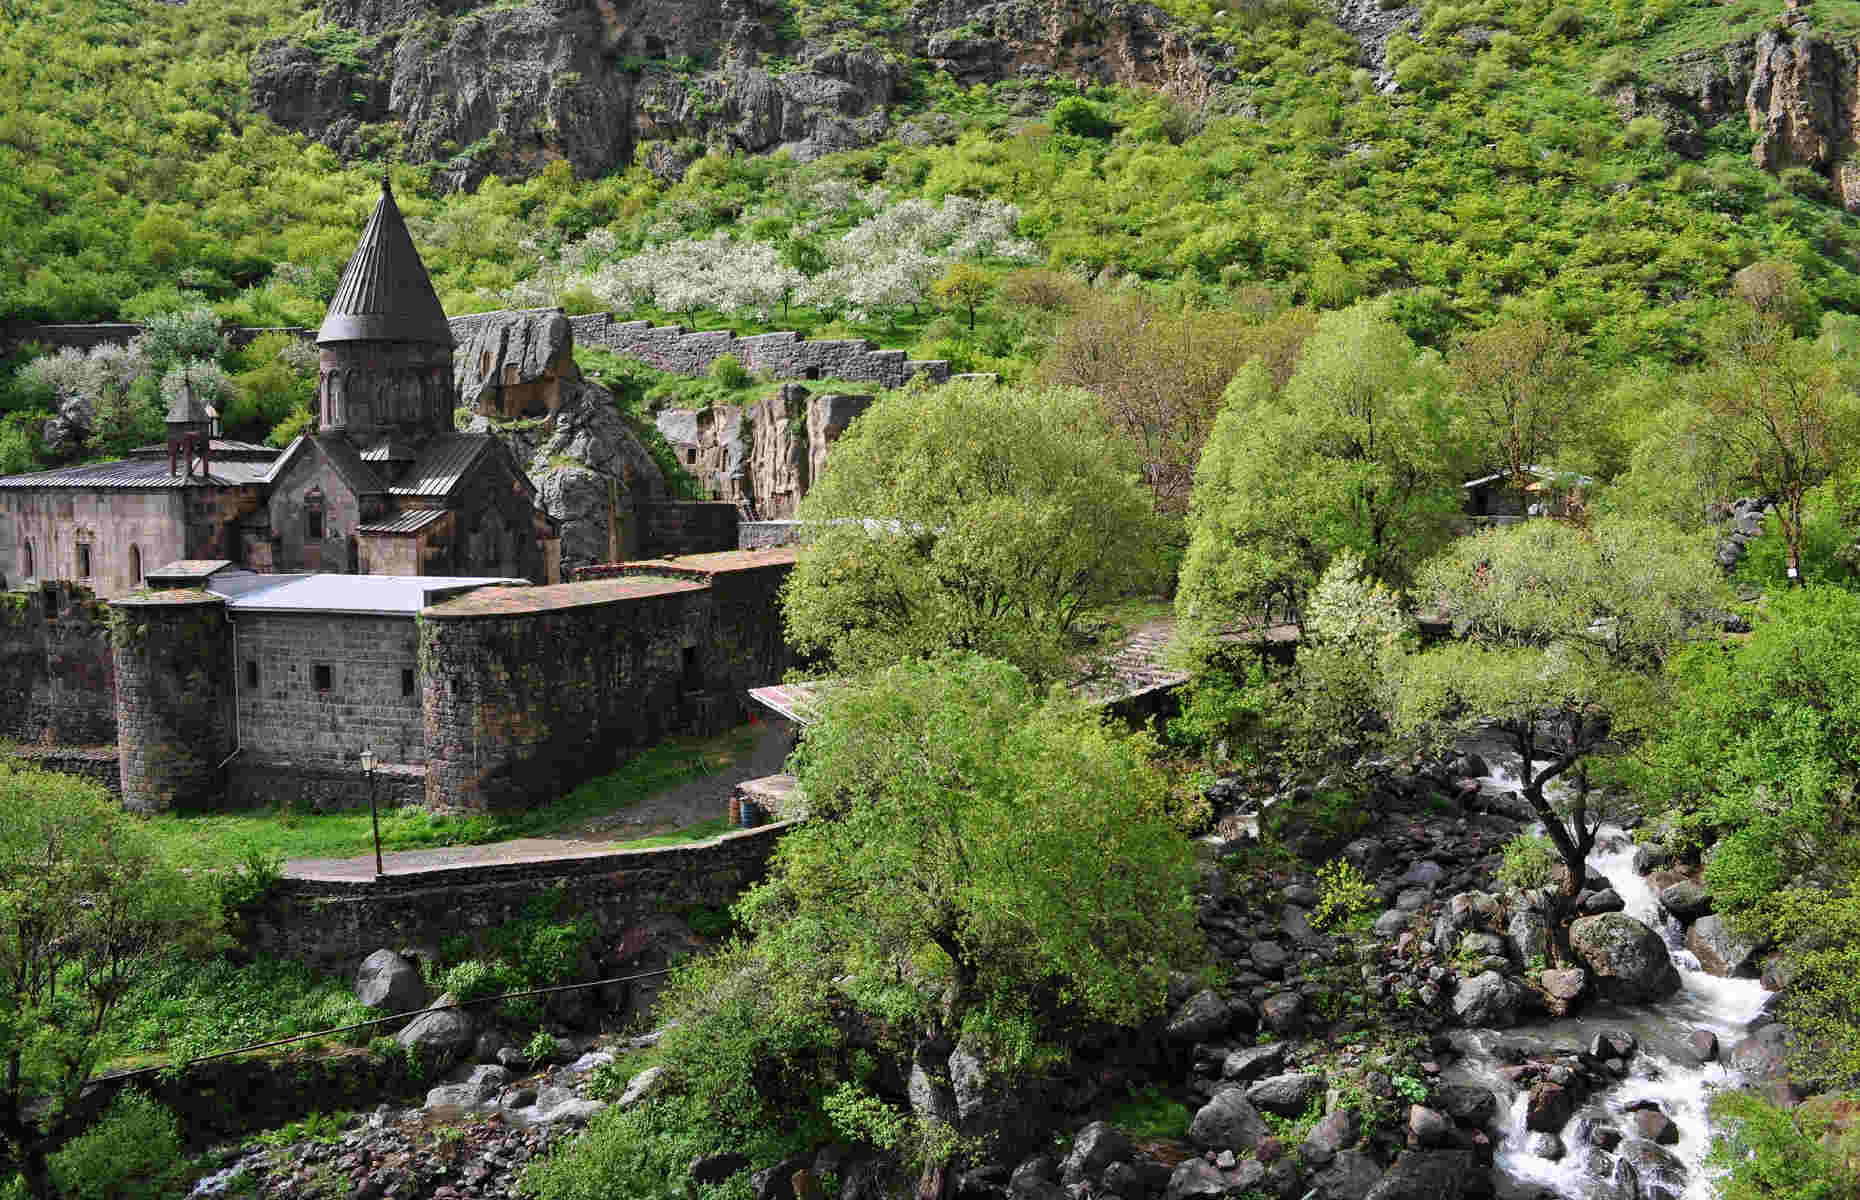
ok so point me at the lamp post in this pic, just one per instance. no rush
(374, 815)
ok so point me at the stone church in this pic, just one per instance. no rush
(386, 485)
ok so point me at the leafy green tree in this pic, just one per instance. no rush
(1521, 387)
(964, 285)
(1781, 418)
(969, 517)
(85, 906)
(1357, 452)
(1562, 636)
(975, 851)
(1757, 760)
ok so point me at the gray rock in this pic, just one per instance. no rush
(1425, 873)
(1335, 1132)
(1427, 1127)
(1195, 1179)
(1605, 901)
(1284, 1013)
(465, 1097)
(1286, 1095)
(1351, 1175)
(1253, 1062)
(1228, 1122)
(391, 983)
(1656, 1127)
(1432, 1175)
(1548, 1108)
(441, 1036)
(1201, 1017)
(1704, 1045)
(488, 1079)
(1269, 958)
(1096, 1147)
(931, 1097)
(489, 1045)
(715, 1168)
(1654, 1166)
(1413, 899)
(642, 1086)
(1488, 1001)
(1467, 1103)
(1650, 857)
(1685, 900)
(1032, 1173)
(1367, 855)
(1629, 961)
(1719, 951)
(1391, 923)
(571, 1113)
(1763, 1056)
(1528, 935)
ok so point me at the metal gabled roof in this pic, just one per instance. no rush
(385, 294)
(442, 464)
(140, 474)
(404, 523)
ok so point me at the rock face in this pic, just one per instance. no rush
(484, 88)
(1629, 961)
(389, 982)
(590, 470)
(1228, 1122)
(1488, 1000)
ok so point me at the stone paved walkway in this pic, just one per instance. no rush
(675, 808)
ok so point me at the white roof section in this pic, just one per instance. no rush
(367, 595)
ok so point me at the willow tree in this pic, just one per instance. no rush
(1562, 636)
(969, 517)
(1359, 451)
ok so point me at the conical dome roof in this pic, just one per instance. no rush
(385, 294)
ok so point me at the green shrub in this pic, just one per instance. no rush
(729, 370)
(1805, 182)
(1342, 894)
(1771, 1153)
(541, 1047)
(1644, 133)
(135, 1150)
(1081, 118)
(1563, 21)
(1530, 862)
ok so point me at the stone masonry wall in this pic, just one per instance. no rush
(521, 706)
(784, 355)
(299, 788)
(372, 701)
(334, 923)
(174, 698)
(764, 535)
(57, 672)
(686, 527)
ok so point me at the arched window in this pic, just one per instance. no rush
(26, 557)
(135, 565)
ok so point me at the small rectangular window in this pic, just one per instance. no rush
(251, 674)
(83, 561)
(406, 681)
(322, 677)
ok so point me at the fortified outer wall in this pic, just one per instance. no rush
(57, 671)
(371, 701)
(174, 698)
(14, 334)
(528, 692)
(785, 355)
(333, 923)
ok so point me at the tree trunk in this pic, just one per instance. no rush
(933, 1184)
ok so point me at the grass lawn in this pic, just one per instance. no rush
(217, 839)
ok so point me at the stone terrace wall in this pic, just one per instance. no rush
(57, 674)
(333, 923)
(784, 355)
(97, 765)
(14, 334)
(764, 535)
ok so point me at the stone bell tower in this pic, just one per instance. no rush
(385, 368)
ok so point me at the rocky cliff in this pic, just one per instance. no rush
(495, 87)
(763, 458)
(1799, 90)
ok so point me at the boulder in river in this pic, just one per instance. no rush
(1629, 961)
(1718, 950)
(1488, 1000)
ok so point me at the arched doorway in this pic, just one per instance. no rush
(135, 565)
(26, 556)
